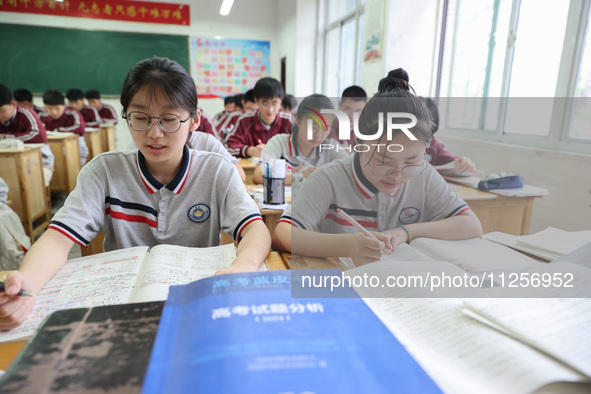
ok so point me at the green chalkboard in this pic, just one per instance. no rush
(38, 58)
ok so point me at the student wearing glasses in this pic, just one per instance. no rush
(161, 193)
(386, 186)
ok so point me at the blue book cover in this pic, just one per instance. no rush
(246, 333)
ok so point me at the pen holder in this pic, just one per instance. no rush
(273, 190)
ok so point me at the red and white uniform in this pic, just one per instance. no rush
(108, 114)
(251, 131)
(207, 125)
(91, 116)
(71, 121)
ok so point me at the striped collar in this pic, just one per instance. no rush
(153, 185)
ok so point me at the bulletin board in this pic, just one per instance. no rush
(225, 67)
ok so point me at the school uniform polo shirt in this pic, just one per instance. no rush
(208, 143)
(116, 194)
(250, 131)
(108, 114)
(284, 146)
(27, 127)
(341, 184)
(91, 116)
(207, 125)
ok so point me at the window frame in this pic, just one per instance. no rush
(577, 24)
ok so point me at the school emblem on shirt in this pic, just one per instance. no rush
(199, 213)
(409, 215)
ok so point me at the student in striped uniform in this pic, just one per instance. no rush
(228, 109)
(89, 114)
(25, 98)
(18, 121)
(253, 130)
(106, 111)
(386, 186)
(300, 153)
(57, 117)
(162, 193)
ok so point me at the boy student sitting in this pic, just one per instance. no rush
(23, 123)
(253, 130)
(25, 98)
(57, 117)
(352, 102)
(106, 111)
(288, 104)
(228, 109)
(89, 114)
(248, 105)
(207, 125)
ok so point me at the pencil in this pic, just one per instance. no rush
(21, 293)
(355, 224)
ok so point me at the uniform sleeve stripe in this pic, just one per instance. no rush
(239, 237)
(292, 221)
(243, 223)
(68, 232)
(458, 210)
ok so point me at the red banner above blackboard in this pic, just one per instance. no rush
(122, 10)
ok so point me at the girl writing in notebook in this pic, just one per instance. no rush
(162, 193)
(386, 186)
(301, 153)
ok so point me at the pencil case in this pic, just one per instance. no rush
(504, 182)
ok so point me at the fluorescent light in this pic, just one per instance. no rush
(226, 7)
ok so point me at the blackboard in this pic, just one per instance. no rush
(38, 58)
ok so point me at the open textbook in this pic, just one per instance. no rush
(120, 277)
(461, 354)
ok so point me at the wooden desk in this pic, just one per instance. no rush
(67, 161)
(511, 215)
(94, 141)
(22, 170)
(248, 167)
(108, 137)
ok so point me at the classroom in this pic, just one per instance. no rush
(509, 82)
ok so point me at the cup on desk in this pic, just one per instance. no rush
(273, 190)
(274, 182)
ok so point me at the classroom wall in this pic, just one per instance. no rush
(251, 20)
(286, 43)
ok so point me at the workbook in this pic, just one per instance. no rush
(245, 333)
(120, 277)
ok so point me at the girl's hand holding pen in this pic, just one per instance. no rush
(363, 249)
(13, 308)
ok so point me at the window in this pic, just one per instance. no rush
(341, 46)
(507, 72)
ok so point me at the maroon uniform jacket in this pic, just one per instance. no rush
(108, 114)
(26, 126)
(207, 125)
(91, 116)
(437, 154)
(220, 117)
(250, 131)
(70, 121)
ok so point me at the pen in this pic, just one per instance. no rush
(22, 293)
(355, 224)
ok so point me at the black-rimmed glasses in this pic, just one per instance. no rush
(385, 170)
(140, 121)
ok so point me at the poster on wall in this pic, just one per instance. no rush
(225, 67)
(373, 36)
